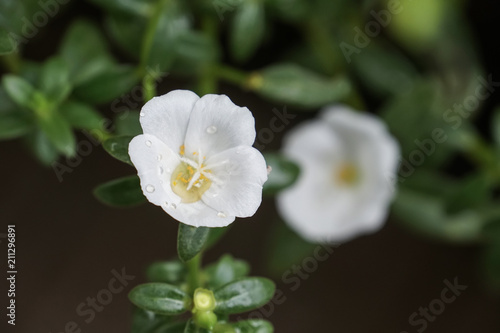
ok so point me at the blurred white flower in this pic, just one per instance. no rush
(348, 160)
(196, 160)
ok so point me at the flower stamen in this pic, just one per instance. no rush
(347, 174)
(191, 179)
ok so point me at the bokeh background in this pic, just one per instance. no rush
(68, 243)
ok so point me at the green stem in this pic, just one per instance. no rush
(322, 43)
(148, 82)
(148, 87)
(483, 155)
(207, 81)
(194, 276)
(149, 36)
(232, 75)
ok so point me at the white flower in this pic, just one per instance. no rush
(347, 162)
(196, 160)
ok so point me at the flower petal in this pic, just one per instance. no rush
(198, 214)
(314, 142)
(217, 124)
(154, 162)
(239, 174)
(167, 117)
(322, 210)
(329, 216)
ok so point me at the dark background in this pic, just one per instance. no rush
(68, 243)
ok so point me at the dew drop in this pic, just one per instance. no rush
(211, 130)
(159, 157)
(142, 114)
(173, 206)
(168, 170)
(161, 170)
(221, 214)
(148, 143)
(150, 188)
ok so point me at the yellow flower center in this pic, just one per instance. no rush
(347, 174)
(190, 179)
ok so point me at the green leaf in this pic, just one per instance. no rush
(127, 123)
(214, 235)
(81, 116)
(31, 71)
(122, 192)
(190, 241)
(227, 269)
(11, 12)
(7, 45)
(247, 29)
(243, 295)
(160, 298)
(416, 119)
(134, 7)
(20, 90)
(14, 121)
(291, 10)
(253, 326)
(286, 249)
(54, 80)
(293, 84)
(283, 174)
(471, 193)
(108, 85)
(172, 272)
(172, 328)
(88, 59)
(384, 71)
(118, 148)
(146, 321)
(14, 124)
(127, 30)
(195, 48)
(173, 22)
(427, 215)
(41, 146)
(59, 132)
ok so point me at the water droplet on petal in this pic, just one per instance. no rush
(161, 170)
(159, 157)
(150, 188)
(174, 206)
(148, 143)
(168, 170)
(142, 114)
(211, 130)
(221, 214)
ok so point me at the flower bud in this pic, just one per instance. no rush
(205, 319)
(204, 300)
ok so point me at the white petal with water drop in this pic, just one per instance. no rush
(211, 130)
